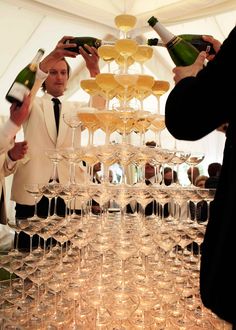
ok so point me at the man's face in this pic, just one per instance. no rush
(57, 79)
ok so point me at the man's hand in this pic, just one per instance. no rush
(57, 54)
(91, 59)
(18, 151)
(215, 43)
(181, 72)
(18, 114)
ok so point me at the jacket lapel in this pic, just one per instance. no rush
(50, 119)
(63, 127)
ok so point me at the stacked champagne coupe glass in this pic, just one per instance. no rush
(112, 270)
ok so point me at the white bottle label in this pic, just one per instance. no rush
(18, 91)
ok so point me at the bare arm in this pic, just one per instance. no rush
(92, 61)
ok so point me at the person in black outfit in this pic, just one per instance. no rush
(214, 173)
(206, 90)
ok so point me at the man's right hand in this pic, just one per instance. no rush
(57, 54)
(181, 72)
(215, 43)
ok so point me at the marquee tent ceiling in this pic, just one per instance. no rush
(27, 25)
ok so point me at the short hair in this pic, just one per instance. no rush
(200, 178)
(174, 173)
(214, 169)
(68, 72)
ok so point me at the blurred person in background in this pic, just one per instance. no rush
(214, 174)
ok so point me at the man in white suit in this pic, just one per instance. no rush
(41, 132)
(10, 152)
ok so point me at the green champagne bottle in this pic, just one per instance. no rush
(194, 39)
(90, 41)
(24, 81)
(181, 51)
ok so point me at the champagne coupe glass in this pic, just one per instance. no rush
(71, 119)
(142, 123)
(55, 156)
(107, 83)
(194, 159)
(31, 228)
(10, 263)
(108, 120)
(125, 153)
(158, 124)
(34, 189)
(143, 54)
(108, 53)
(50, 194)
(126, 80)
(13, 224)
(126, 48)
(179, 157)
(89, 119)
(125, 23)
(105, 154)
(91, 87)
(121, 306)
(124, 62)
(125, 123)
(208, 196)
(90, 158)
(23, 272)
(159, 88)
(73, 156)
(143, 88)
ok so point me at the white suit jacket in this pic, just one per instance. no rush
(4, 171)
(7, 132)
(40, 133)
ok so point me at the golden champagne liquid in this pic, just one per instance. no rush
(106, 81)
(143, 53)
(126, 80)
(108, 53)
(143, 121)
(144, 81)
(108, 120)
(157, 123)
(143, 86)
(88, 118)
(89, 86)
(125, 22)
(121, 61)
(160, 87)
(126, 47)
(125, 94)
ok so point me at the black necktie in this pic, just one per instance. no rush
(56, 107)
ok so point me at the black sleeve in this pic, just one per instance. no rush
(198, 105)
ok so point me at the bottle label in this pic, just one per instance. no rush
(173, 42)
(18, 91)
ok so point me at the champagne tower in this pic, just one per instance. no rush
(121, 267)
